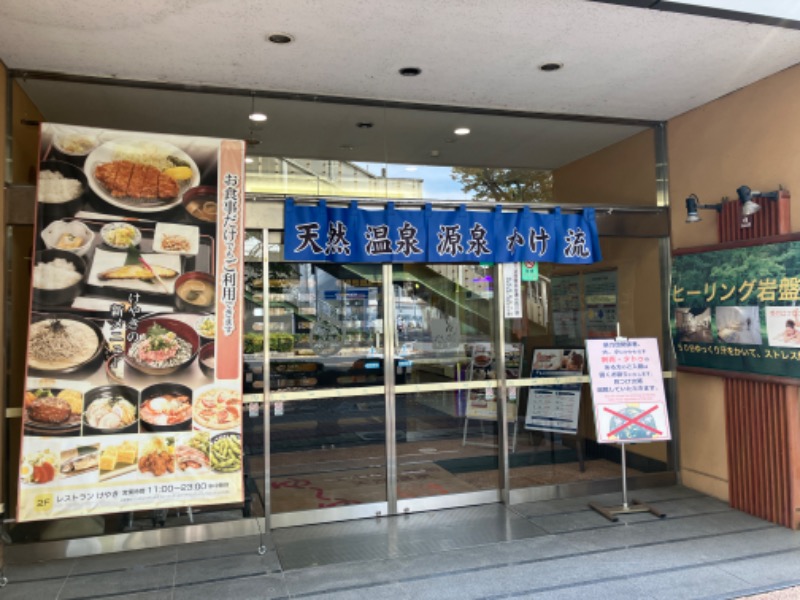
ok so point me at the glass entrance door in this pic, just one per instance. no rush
(382, 388)
(326, 353)
(447, 445)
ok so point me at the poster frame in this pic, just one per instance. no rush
(95, 488)
(722, 246)
(577, 389)
(620, 401)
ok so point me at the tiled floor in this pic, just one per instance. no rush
(545, 550)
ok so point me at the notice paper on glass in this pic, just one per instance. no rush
(555, 407)
(512, 286)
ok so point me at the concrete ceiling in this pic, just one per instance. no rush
(619, 63)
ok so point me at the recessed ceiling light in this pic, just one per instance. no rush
(435, 153)
(549, 67)
(410, 71)
(280, 38)
(364, 125)
(258, 117)
(248, 160)
(462, 131)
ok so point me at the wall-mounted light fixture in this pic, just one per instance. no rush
(749, 206)
(746, 198)
(693, 204)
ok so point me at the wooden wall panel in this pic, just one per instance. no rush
(761, 469)
(762, 419)
(772, 219)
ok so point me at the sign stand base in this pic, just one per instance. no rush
(635, 506)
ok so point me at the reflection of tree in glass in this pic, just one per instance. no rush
(505, 185)
(326, 337)
(253, 245)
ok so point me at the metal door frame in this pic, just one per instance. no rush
(338, 513)
(627, 221)
(392, 505)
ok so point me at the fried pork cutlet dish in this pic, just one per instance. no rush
(124, 178)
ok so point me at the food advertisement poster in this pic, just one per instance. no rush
(133, 390)
(555, 407)
(738, 309)
(628, 390)
(482, 402)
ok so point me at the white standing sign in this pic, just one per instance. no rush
(628, 390)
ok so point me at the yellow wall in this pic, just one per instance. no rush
(25, 136)
(3, 119)
(622, 174)
(749, 137)
(639, 300)
(25, 118)
(701, 422)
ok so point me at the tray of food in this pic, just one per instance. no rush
(164, 263)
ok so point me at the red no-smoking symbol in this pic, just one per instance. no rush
(630, 421)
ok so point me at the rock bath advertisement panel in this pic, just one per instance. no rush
(133, 391)
(738, 309)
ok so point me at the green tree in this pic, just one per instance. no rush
(505, 185)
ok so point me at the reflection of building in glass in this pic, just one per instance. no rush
(738, 324)
(473, 278)
(303, 177)
(456, 297)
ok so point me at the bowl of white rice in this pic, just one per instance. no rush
(60, 188)
(58, 277)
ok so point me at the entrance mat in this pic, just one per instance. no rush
(308, 440)
(596, 469)
(489, 463)
(610, 452)
(360, 486)
(531, 476)
(379, 436)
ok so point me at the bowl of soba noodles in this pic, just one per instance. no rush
(63, 343)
